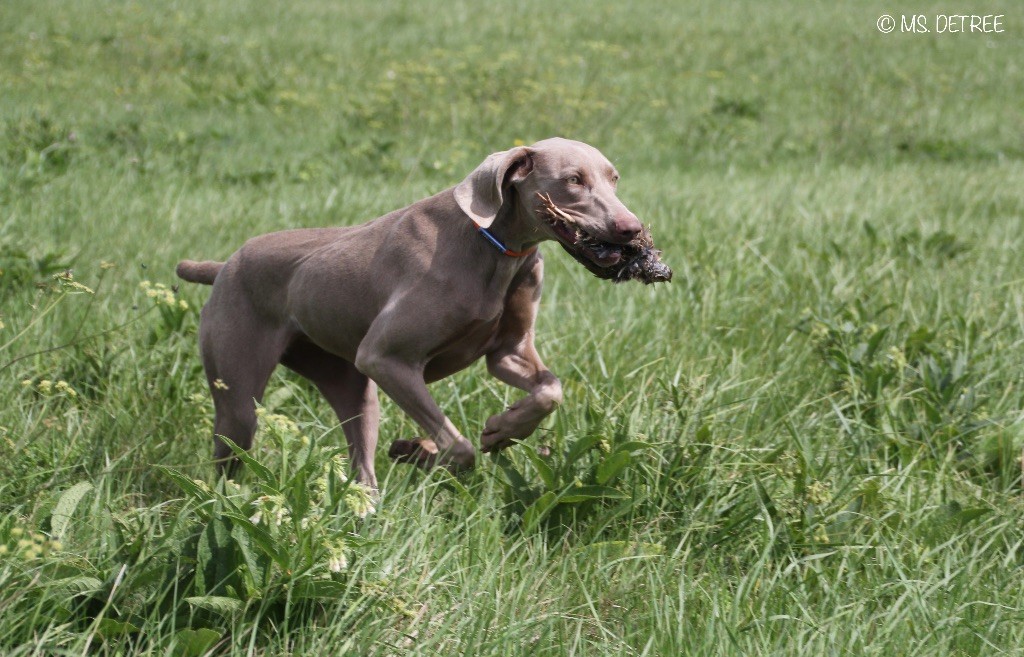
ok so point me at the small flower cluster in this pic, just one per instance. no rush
(820, 332)
(329, 485)
(66, 283)
(359, 500)
(334, 470)
(271, 510)
(48, 387)
(337, 559)
(281, 428)
(28, 545)
(273, 421)
(819, 493)
(898, 357)
(162, 295)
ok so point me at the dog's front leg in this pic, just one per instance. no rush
(514, 360)
(520, 366)
(443, 444)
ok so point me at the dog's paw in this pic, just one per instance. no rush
(419, 451)
(425, 454)
(495, 442)
(495, 437)
(503, 430)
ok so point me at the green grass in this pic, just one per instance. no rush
(823, 409)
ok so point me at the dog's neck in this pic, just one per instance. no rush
(515, 227)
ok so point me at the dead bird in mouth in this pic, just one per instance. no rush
(616, 262)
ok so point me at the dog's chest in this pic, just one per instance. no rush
(502, 305)
(470, 343)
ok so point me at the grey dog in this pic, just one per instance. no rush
(407, 299)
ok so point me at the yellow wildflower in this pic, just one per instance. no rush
(819, 492)
(67, 283)
(819, 331)
(897, 356)
(162, 295)
(280, 423)
(64, 388)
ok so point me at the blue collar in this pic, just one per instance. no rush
(501, 247)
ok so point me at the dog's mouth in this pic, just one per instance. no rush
(638, 260)
(576, 239)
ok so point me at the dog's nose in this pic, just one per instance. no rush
(627, 226)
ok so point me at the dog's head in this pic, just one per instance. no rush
(571, 176)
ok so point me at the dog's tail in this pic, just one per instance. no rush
(199, 272)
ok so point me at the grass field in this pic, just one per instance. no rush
(808, 443)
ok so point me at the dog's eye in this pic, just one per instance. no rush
(573, 180)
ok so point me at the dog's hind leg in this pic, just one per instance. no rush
(350, 393)
(239, 355)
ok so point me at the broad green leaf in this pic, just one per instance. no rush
(76, 585)
(65, 507)
(967, 515)
(875, 341)
(547, 475)
(214, 557)
(262, 538)
(108, 628)
(254, 561)
(195, 643)
(522, 490)
(610, 467)
(188, 485)
(218, 604)
(539, 510)
(261, 471)
(580, 447)
(632, 446)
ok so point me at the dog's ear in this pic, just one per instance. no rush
(481, 194)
